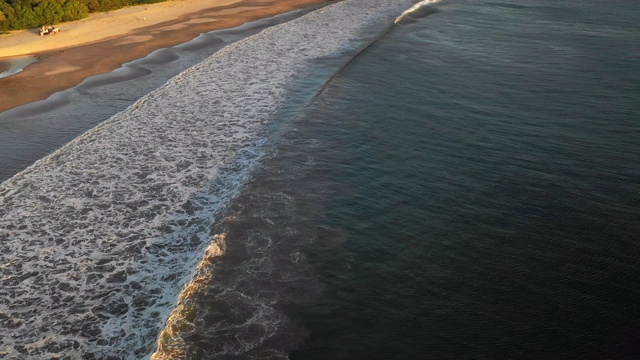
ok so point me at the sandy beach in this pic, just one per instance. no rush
(103, 42)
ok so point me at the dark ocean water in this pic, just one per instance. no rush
(467, 188)
(464, 188)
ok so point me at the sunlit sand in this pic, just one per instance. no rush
(103, 42)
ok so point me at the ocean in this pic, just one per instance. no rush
(360, 181)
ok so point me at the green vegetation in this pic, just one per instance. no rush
(25, 14)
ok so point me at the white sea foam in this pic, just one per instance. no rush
(414, 9)
(97, 239)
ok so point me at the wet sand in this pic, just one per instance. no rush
(120, 36)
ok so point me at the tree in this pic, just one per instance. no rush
(49, 12)
(93, 5)
(74, 10)
(24, 17)
(6, 14)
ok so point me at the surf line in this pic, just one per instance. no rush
(415, 8)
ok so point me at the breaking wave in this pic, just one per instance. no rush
(418, 10)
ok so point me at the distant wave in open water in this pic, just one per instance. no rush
(466, 187)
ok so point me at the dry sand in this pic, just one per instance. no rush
(103, 42)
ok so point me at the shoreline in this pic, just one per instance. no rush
(163, 25)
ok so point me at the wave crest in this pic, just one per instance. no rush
(418, 10)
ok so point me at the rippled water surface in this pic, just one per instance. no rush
(484, 161)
